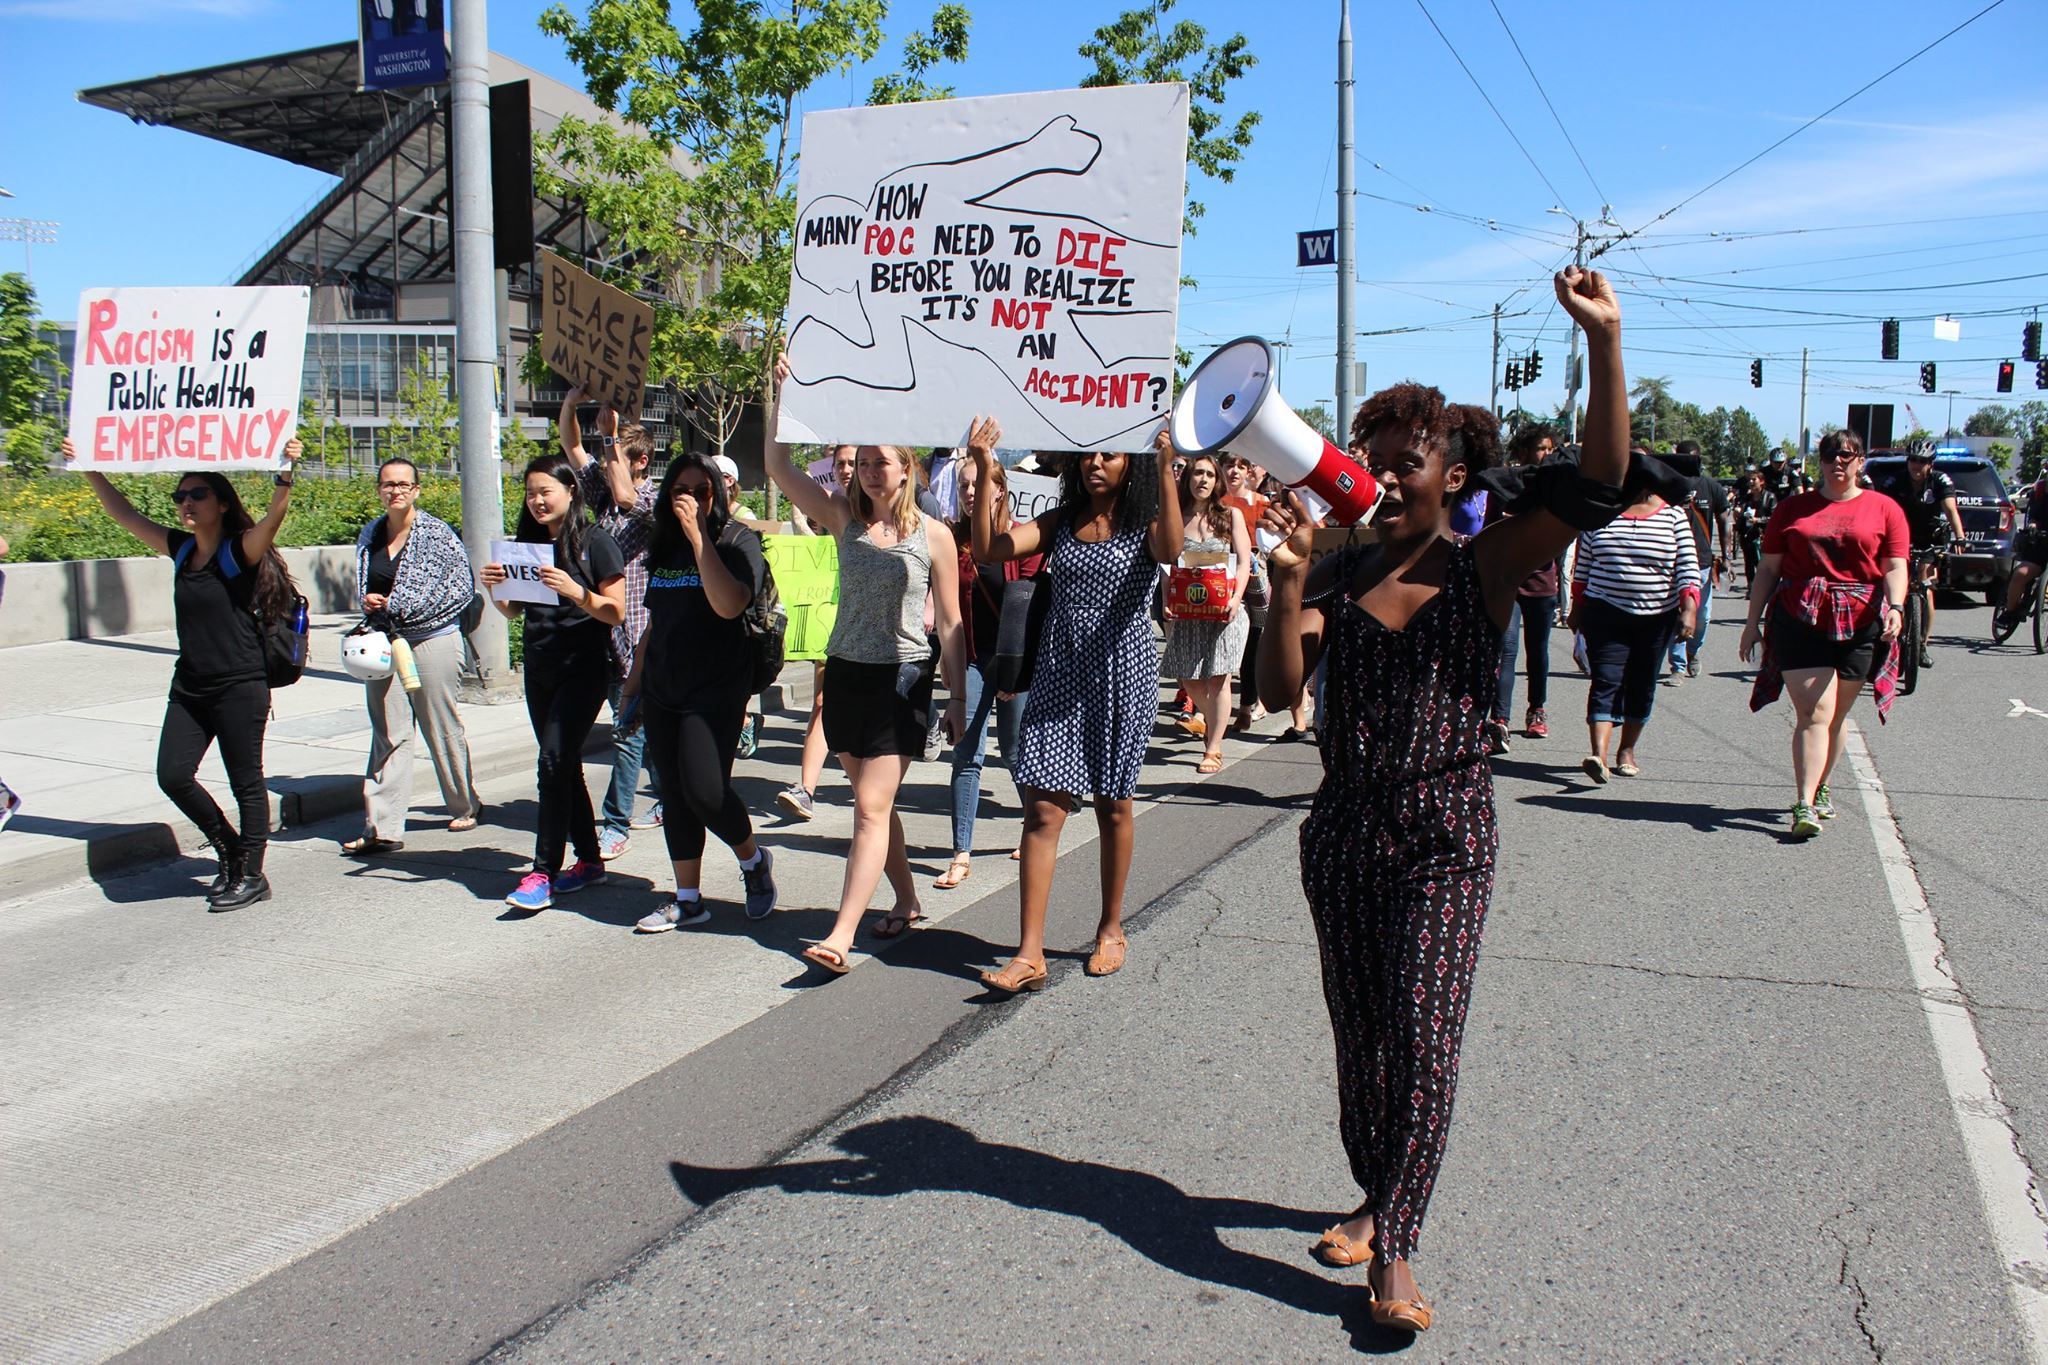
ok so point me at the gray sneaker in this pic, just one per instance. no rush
(677, 914)
(760, 881)
(796, 801)
(611, 843)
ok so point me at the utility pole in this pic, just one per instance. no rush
(1493, 376)
(476, 325)
(1950, 425)
(1571, 364)
(1347, 341)
(1803, 353)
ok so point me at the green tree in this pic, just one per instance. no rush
(1319, 417)
(325, 439)
(30, 438)
(1993, 419)
(697, 190)
(424, 430)
(517, 448)
(1138, 48)
(1744, 441)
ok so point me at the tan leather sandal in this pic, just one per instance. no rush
(1107, 958)
(957, 871)
(1410, 1315)
(1334, 1248)
(1019, 975)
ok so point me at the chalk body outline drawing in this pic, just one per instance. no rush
(840, 333)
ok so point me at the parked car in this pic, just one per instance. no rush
(1983, 557)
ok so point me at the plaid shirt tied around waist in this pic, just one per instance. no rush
(1836, 610)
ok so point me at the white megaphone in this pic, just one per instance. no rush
(1231, 403)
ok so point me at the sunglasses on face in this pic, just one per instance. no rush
(1845, 455)
(185, 495)
(699, 491)
(1920, 459)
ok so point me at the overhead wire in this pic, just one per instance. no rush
(1890, 71)
(1537, 81)
(1452, 47)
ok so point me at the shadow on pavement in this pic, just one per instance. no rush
(1695, 814)
(1153, 1216)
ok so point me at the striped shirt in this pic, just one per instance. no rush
(1638, 564)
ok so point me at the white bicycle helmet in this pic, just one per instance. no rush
(366, 654)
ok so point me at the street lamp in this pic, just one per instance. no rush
(1950, 426)
(27, 231)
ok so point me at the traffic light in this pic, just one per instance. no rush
(1756, 374)
(1927, 376)
(2030, 341)
(2041, 374)
(1514, 374)
(1533, 368)
(2005, 376)
(1891, 338)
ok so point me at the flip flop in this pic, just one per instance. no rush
(957, 871)
(905, 922)
(831, 959)
(370, 846)
(463, 824)
(1627, 770)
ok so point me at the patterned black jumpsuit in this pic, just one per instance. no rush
(1397, 862)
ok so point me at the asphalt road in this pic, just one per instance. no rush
(1701, 1113)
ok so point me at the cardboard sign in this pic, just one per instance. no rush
(595, 335)
(1016, 255)
(523, 561)
(166, 379)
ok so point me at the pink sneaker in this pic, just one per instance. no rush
(532, 893)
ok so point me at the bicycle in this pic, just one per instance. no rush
(1913, 636)
(2031, 606)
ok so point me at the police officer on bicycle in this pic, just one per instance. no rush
(2030, 552)
(1928, 497)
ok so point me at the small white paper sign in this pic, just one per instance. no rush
(523, 561)
(1032, 495)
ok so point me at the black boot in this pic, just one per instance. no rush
(228, 849)
(248, 886)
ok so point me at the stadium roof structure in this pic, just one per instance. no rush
(386, 222)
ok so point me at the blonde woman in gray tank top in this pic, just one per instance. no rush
(878, 676)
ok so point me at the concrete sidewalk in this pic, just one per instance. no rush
(79, 721)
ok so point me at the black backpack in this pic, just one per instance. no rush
(284, 640)
(766, 622)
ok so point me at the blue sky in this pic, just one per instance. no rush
(1659, 98)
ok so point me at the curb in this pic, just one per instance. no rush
(296, 802)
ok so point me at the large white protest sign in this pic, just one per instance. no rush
(1016, 255)
(186, 378)
(523, 560)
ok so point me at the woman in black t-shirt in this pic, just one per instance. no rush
(568, 671)
(692, 672)
(227, 579)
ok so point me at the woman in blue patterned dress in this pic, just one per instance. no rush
(1095, 685)
(1397, 854)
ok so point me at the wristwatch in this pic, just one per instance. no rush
(607, 442)
(283, 478)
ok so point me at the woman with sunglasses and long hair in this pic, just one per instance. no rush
(568, 670)
(1827, 606)
(1095, 683)
(878, 675)
(227, 582)
(1202, 654)
(414, 580)
(691, 673)
(1397, 854)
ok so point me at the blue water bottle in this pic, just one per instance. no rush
(299, 633)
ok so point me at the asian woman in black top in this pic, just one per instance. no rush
(692, 672)
(227, 579)
(568, 669)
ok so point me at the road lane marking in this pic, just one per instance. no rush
(2013, 1213)
(2020, 708)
